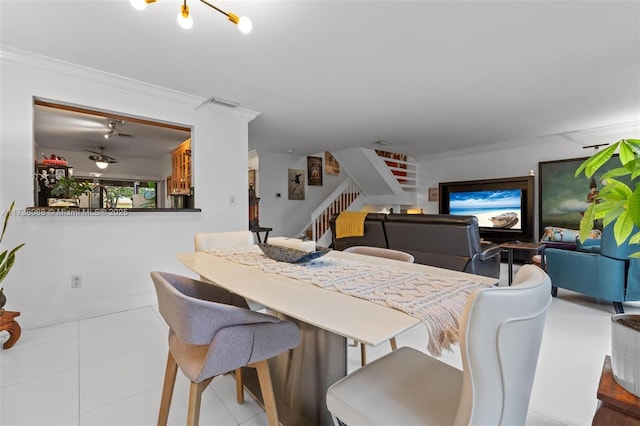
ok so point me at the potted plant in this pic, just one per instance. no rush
(7, 258)
(618, 205)
(67, 190)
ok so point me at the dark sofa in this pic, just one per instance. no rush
(445, 241)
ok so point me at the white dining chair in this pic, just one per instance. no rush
(500, 336)
(387, 254)
(215, 240)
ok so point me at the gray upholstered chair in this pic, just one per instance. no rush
(500, 336)
(387, 254)
(211, 332)
(215, 240)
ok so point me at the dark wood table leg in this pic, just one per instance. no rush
(8, 323)
(510, 262)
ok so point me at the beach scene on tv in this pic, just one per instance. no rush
(499, 208)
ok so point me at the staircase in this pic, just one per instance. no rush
(347, 196)
(389, 179)
(384, 180)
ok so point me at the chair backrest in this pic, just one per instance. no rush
(380, 252)
(374, 233)
(215, 240)
(445, 241)
(610, 248)
(500, 336)
(196, 311)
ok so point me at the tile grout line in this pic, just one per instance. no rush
(78, 374)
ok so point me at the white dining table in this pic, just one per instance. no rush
(326, 319)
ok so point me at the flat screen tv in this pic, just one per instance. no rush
(504, 207)
(494, 208)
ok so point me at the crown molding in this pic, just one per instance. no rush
(30, 60)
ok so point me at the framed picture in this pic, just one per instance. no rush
(314, 171)
(331, 165)
(433, 194)
(296, 184)
(563, 198)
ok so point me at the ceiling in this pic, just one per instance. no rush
(424, 76)
(60, 129)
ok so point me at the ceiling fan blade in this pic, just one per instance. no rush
(103, 158)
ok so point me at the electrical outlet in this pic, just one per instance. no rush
(76, 281)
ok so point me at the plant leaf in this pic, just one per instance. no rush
(6, 219)
(593, 163)
(586, 223)
(618, 171)
(633, 206)
(623, 227)
(626, 152)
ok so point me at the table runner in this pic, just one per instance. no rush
(437, 301)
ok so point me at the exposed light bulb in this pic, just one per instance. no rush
(102, 164)
(184, 19)
(107, 136)
(138, 4)
(245, 25)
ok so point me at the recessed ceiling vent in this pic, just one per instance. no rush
(218, 100)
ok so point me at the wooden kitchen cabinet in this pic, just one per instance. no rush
(181, 169)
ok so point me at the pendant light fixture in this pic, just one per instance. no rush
(186, 21)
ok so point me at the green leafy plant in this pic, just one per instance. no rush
(617, 202)
(7, 258)
(69, 187)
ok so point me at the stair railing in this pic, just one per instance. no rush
(338, 201)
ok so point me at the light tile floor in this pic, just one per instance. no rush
(108, 370)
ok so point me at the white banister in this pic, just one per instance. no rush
(338, 201)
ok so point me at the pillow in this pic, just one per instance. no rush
(565, 235)
(556, 234)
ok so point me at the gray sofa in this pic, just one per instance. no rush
(445, 241)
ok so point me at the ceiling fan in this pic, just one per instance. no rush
(113, 130)
(101, 160)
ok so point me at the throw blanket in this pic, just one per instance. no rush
(350, 224)
(436, 300)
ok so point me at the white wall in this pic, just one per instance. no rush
(114, 254)
(507, 160)
(289, 217)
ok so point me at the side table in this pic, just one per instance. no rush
(616, 406)
(8, 323)
(258, 229)
(518, 245)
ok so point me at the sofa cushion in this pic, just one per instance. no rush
(374, 233)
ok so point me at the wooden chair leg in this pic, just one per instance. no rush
(195, 396)
(363, 354)
(264, 377)
(167, 390)
(394, 343)
(239, 386)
